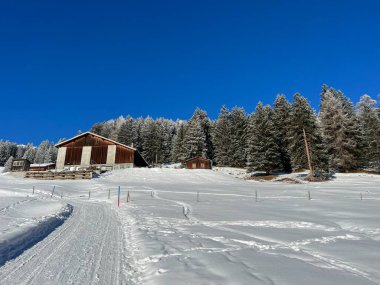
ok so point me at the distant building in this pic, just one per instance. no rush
(198, 163)
(42, 166)
(91, 150)
(20, 164)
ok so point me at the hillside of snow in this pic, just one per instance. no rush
(200, 227)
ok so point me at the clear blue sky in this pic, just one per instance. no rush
(65, 65)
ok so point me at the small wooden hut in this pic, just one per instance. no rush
(42, 166)
(198, 163)
(20, 164)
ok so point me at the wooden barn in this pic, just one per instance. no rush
(198, 163)
(91, 150)
(42, 166)
(20, 164)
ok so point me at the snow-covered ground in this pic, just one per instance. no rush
(168, 234)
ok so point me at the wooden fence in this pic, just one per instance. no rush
(50, 175)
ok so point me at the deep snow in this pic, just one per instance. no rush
(167, 234)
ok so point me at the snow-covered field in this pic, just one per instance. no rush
(168, 234)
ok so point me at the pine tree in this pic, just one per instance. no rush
(370, 125)
(302, 117)
(178, 150)
(339, 130)
(152, 141)
(8, 164)
(263, 152)
(125, 133)
(30, 153)
(195, 141)
(137, 138)
(238, 125)
(222, 138)
(281, 122)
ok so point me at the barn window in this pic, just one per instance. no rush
(194, 165)
(202, 164)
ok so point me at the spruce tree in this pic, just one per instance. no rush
(302, 117)
(152, 141)
(8, 164)
(339, 129)
(195, 138)
(178, 150)
(222, 138)
(281, 122)
(238, 144)
(370, 125)
(125, 133)
(263, 152)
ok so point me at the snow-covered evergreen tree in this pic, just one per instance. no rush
(370, 125)
(263, 152)
(152, 141)
(137, 133)
(30, 153)
(8, 164)
(178, 150)
(239, 124)
(196, 142)
(339, 129)
(125, 132)
(7, 149)
(301, 117)
(222, 138)
(281, 115)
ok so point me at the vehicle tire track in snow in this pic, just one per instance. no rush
(84, 250)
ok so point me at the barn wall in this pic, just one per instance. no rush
(73, 155)
(61, 158)
(124, 155)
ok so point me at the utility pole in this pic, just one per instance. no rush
(311, 175)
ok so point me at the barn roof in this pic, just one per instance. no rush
(96, 135)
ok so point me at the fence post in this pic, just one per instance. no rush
(198, 196)
(109, 193)
(309, 194)
(256, 196)
(128, 197)
(89, 194)
(33, 190)
(61, 195)
(118, 197)
(52, 192)
(361, 196)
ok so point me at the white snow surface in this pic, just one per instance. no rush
(168, 234)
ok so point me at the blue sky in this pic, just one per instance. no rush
(65, 65)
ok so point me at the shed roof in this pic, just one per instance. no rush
(198, 157)
(42, 164)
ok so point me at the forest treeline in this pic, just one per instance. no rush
(341, 137)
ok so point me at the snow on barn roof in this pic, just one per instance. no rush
(99, 136)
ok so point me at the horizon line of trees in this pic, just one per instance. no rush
(341, 137)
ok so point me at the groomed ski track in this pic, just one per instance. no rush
(86, 249)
